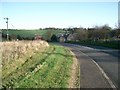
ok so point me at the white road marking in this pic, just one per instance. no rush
(102, 71)
(104, 74)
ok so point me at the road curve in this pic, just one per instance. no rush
(91, 76)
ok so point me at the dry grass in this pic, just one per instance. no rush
(16, 49)
(15, 52)
(74, 81)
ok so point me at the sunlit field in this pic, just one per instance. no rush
(35, 64)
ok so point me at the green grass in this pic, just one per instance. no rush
(48, 69)
(30, 33)
(77, 83)
(110, 44)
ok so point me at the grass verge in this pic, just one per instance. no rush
(50, 68)
(74, 81)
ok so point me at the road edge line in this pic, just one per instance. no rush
(102, 71)
(105, 75)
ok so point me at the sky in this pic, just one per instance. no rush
(35, 15)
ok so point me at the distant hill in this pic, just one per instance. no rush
(31, 33)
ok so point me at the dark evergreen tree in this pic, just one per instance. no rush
(54, 38)
(19, 37)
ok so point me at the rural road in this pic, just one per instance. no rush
(98, 66)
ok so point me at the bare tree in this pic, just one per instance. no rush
(48, 34)
(99, 32)
(80, 34)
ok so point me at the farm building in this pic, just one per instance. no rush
(38, 37)
(70, 37)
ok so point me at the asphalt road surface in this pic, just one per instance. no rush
(90, 74)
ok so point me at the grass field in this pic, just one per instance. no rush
(31, 33)
(48, 68)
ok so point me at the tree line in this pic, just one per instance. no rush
(96, 33)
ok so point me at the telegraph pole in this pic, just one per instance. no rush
(7, 28)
